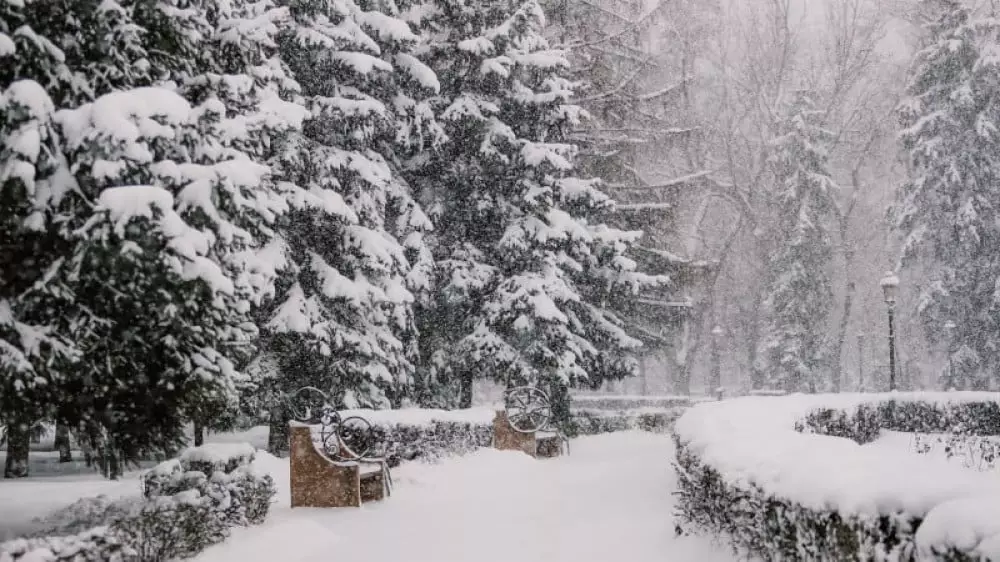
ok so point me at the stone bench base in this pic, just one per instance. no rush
(317, 481)
(539, 444)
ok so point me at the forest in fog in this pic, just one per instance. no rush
(725, 76)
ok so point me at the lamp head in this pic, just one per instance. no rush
(890, 288)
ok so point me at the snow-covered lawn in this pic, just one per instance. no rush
(610, 500)
(24, 499)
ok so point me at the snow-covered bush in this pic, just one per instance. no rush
(217, 457)
(220, 471)
(188, 504)
(100, 544)
(798, 478)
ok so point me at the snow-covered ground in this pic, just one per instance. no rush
(610, 500)
(24, 499)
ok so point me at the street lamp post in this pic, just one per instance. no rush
(716, 382)
(949, 327)
(890, 289)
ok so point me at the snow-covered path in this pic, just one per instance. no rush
(610, 500)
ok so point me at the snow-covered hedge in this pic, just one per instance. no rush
(797, 478)
(188, 504)
(431, 434)
(630, 402)
(593, 422)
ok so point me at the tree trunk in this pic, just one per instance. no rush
(88, 444)
(18, 449)
(559, 396)
(643, 374)
(715, 382)
(836, 363)
(278, 434)
(199, 434)
(465, 396)
(112, 459)
(682, 382)
(836, 354)
(753, 342)
(63, 444)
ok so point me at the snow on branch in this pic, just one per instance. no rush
(665, 304)
(669, 132)
(682, 180)
(662, 91)
(614, 91)
(638, 207)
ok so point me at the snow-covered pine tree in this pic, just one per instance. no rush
(256, 114)
(154, 207)
(527, 286)
(35, 344)
(636, 61)
(342, 319)
(33, 351)
(948, 209)
(799, 289)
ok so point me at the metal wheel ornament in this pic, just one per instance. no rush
(343, 439)
(309, 405)
(357, 437)
(329, 423)
(528, 409)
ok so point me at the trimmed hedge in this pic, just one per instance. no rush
(446, 438)
(595, 422)
(777, 528)
(863, 424)
(772, 528)
(627, 403)
(187, 505)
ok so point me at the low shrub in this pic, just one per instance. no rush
(100, 544)
(187, 504)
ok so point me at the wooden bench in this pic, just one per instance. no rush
(539, 444)
(318, 481)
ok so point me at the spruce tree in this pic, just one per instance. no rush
(527, 283)
(799, 288)
(342, 318)
(152, 204)
(948, 209)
